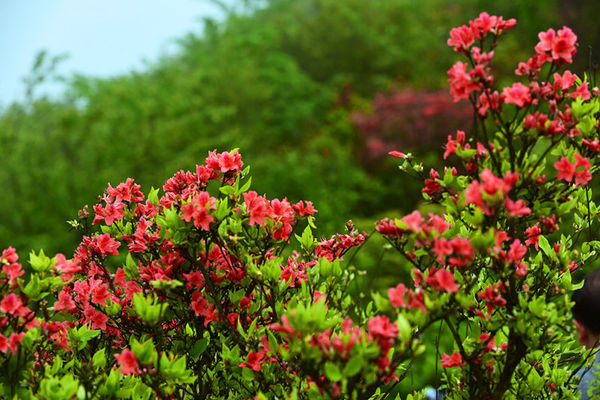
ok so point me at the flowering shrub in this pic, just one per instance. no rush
(408, 119)
(194, 292)
(493, 267)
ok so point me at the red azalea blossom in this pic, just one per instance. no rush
(14, 341)
(567, 170)
(396, 295)
(398, 154)
(455, 360)
(13, 271)
(10, 304)
(254, 360)
(10, 255)
(198, 210)
(302, 210)
(64, 302)
(517, 208)
(127, 361)
(445, 280)
(533, 235)
(517, 94)
(559, 45)
(413, 221)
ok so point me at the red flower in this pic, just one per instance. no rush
(461, 38)
(64, 302)
(104, 244)
(461, 82)
(517, 94)
(582, 177)
(3, 343)
(445, 280)
(565, 169)
(559, 45)
(10, 304)
(413, 221)
(396, 295)
(195, 279)
(198, 210)
(594, 145)
(258, 207)
(431, 185)
(301, 210)
(415, 300)
(13, 271)
(110, 213)
(254, 360)
(66, 267)
(517, 208)
(127, 361)
(10, 255)
(398, 154)
(517, 251)
(455, 360)
(568, 171)
(533, 235)
(14, 341)
(383, 331)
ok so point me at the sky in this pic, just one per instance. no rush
(102, 38)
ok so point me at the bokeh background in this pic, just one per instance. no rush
(314, 93)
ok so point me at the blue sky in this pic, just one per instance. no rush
(101, 37)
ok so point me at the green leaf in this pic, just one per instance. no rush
(332, 372)
(272, 341)
(41, 262)
(227, 190)
(99, 359)
(353, 366)
(198, 348)
(545, 246)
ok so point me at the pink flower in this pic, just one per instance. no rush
(517, 94)
(254, 360)
(568, 171)
(127, 361)
(517, 208)
(455, 360)
(66, 267)
(517, 251)
(445, 280)
(560, 45)
(258, 207)
(582, 176)
(398, 154)
(13, 271)
(565, 169)
(413, 221)
(396, 295)
(64, 302)
(14, 341)
(10, 304)
(10, 255)
(461, 38)
(461, 82)
(198, 210)
(106, 245)
(533, 235)
(302, 210)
